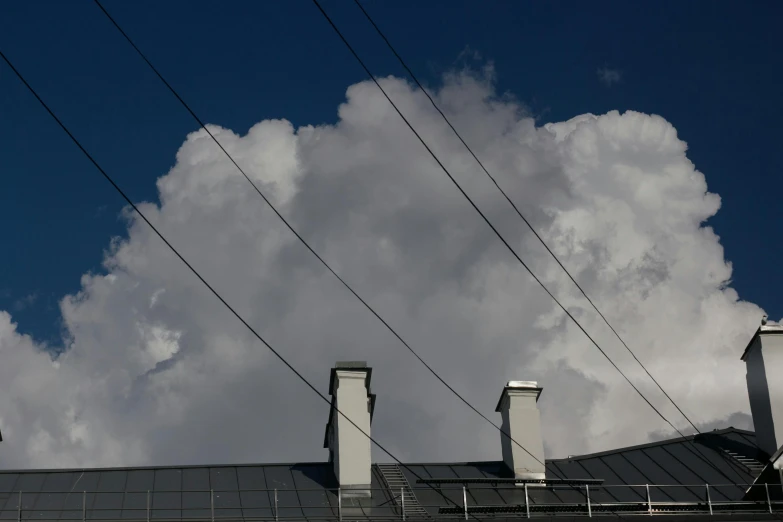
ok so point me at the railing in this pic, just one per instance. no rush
(440, 502)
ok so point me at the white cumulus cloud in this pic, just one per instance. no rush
(155, 370)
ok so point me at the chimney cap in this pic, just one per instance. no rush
(521, 384)
(768, 327)
(345, 365)
(357, 366)
(518, 385)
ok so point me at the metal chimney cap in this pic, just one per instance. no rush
(518, 385)
(522, 384)
(350, 364)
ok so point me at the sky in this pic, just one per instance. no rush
(661, 204)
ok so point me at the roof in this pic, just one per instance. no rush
(677, 463)
(771, 474)
(729, 456)
(309, 490)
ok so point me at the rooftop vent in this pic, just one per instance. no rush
(522, 422)
(349, 448)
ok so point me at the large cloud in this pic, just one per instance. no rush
(155, 370)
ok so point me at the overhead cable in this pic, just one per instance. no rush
(212, 290)
(487, 221)
(303, 241)
(519, 213)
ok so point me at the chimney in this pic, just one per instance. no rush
(349, 448)
(764, 362)
(521, 420)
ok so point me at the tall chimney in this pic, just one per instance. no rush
(349, 448)
(764, 362)
(521, 420)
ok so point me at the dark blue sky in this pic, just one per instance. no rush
(711, 68)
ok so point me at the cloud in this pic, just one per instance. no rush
(25, 302)
(469, 54)
(609, 76)
(155, 370)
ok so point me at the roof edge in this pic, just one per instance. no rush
(170, 466)
(243, 465)
(326, 463)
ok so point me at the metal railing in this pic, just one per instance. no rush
(441, 502)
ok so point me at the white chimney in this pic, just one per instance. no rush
(764, 362)
(521, 420)
(349, 448)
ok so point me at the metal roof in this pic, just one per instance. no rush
(677, 471)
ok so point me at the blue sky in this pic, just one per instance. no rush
(708, 68)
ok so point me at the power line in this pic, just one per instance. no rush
(475, 207)
(204, 281)
(304, 242)
(519, 213)
(488, 222)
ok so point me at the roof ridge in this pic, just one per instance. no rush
(663, 442)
